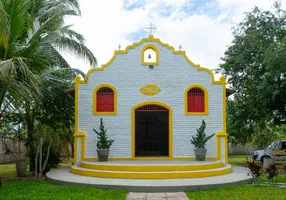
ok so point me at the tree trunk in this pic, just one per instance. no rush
(30, 144)
(72, 148)
(46, 161)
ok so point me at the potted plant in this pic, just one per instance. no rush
(12, 144)
(200, 140)
(103, 143)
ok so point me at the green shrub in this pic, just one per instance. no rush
(272, 171)
(200, 139)
(103, 141)
(254, 168)
(53, 161)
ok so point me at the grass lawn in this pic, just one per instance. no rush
(242, 192)
(8, 170)
(238, 159)
(30, 190)
(281, 178)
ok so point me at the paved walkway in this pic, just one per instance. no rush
(157, 196)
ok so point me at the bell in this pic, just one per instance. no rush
(149, 56)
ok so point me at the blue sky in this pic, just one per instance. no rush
(201, 27)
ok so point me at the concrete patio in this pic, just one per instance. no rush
(237, 176)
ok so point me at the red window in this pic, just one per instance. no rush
(196, 100)
(105, 100)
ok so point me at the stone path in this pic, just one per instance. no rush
(157, 196)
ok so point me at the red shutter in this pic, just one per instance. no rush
(196, 100)
(105, 100)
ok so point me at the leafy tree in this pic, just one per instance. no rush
(55, 112)
(57, 108)
(255, 68)
(32, 34)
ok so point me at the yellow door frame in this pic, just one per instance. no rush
(170, 117)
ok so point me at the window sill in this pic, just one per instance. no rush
(105, 113)
(197, 113)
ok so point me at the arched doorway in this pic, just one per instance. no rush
(151, 130)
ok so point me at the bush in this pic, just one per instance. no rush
(272, 171)
(254, 168)
(54, 158)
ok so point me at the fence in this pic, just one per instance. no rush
(239, 149)
(17, 152)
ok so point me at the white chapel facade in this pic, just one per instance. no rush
(152, 99)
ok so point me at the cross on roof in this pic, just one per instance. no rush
(151, 28)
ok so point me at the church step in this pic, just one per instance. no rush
(151, 166)
(76, 169)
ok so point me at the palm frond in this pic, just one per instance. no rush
(41, 30)
(66, 31)
(69, 4)
(4, 21)
(54, 7)
(18, 79)
(78, 49)
(59, 60)
(13, 19)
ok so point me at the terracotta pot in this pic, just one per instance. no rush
(200, 154)
(102, 155)
(21, 168)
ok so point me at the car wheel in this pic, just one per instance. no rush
(262, 159)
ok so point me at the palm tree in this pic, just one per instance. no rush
(32, 34)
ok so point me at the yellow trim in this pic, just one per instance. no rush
(206, 99)
(151, 175)
(154, 48)
(150, 89)
(82, 137)
(222, 80)
(177, 167)
(95, 112)
(218, 147)
(83, 147)
(133, 125)
(77, 81)
(151, 39)
(222, 134)
(75, 150)
(226, 150)
(79, 134)
(183, 53)
(153, 158)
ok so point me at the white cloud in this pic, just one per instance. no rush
(105, 24)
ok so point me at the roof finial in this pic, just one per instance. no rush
(119, 46)
(151, 28)
(180, 47)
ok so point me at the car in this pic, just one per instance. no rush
(279, 147)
